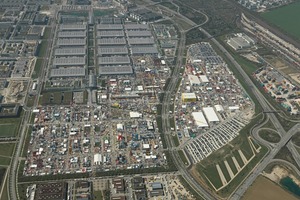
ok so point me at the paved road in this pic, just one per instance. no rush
(171, 89)
(263, 164)
(267, 107)
(12, 181)
(294, 152)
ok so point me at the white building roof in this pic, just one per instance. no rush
(119, 126)
(194, 80)
(219, 108)
(233, 107)
(97, 158)
(203, 79)
(210, 114)
(199, 119)
(189, 95)
(140, 88)
(134, 114)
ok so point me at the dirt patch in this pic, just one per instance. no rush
(296, 77)
(15, 92)
(265, 189)
(193, 171)
(279, 173)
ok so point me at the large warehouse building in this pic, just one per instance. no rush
(116, 42)
(210, 114)
(114, 60)
(69, 58)
(112, 50)
(200, 120)
(111, 41)
(67, 72)
(71, 42)
(69, 61)
(72, 27)
(80, 51)
(71, 34)
(141, 50)
(188, 97)
(113, 70)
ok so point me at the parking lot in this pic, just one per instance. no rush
(210, 106)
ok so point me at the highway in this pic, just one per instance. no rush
(170, 90)
(285, 137)
(13, 173)
(263, 164)
(294, 152)
(266, 106)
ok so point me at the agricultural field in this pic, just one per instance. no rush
(265, 189)
(286, 17)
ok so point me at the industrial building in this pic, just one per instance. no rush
(67, 72)
(144, 50)
(80, 51)
(71, 42)
(203, 79)
(111, 41)
(240, 41)
(115, 70)
(109, 27)
(112, 50)
(114, 60)
(140, 41)
(69, 61)
(188, 97)
(144, 15)
(72, 27)
(199, 119)
(194, 80)
(139, 33)
(56, 191)
(119, 184)
(117, 41)
(71, 34)
(136, 26)
(115, 33)
(210, 114)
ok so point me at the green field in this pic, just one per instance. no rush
(6, 149)
(183, 157)
(269, 135)
(4, 160)
(98, 195)
(286, 18)
(37, 68)
(7, 130)
(4, 193)
(49, 98)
